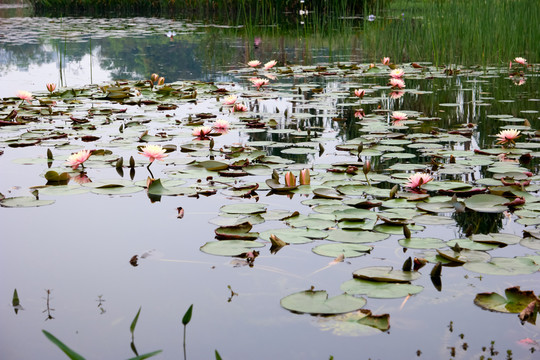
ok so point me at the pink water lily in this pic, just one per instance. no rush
(417, 180)
(359, 93)
(521, 61)
(153, 152)
(359, 114)
(201, 131)
(161, 81)
(259, 82)
(290, 179)
(254, 63)
(154, 77)
(51, 87)
(396, 94)
(398, 115)
(397, 73)
(230, 100)
(25, 95)
(74, 160)
(221, 124)
(304, 177)
(508, 136)
(396, 83)
(386, 61)
(240, 107)
(270, 64)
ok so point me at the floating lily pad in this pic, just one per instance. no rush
(347, 250)
(385, 274)
(377, 289)
(433, 220)
(243, 208)
(497, 238)
(396, 229)
(464, 255)
(359, 323)
(318, 303)
(471, 245)
(313, 221)
(356, 237)
(230, 247)
(24, 201)
(504, 266)
(327, 193)
(422, 243)
(515, 301)
(486, 203)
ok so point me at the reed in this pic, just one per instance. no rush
(455, 31)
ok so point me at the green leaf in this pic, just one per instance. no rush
(230, 247)
(347, 250)
(487, 203)
(218, 357)
(69, 352)
(318, 303)
(146, 356)
(385, 274)
(504, 266)
(187, 316)
(516, 300)
(382, 290)
(134, 322)
(422, 243)
(24, 201)
(243, 208)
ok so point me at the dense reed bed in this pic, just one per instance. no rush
(455, 32)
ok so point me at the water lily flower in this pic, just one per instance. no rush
(359, 93)
(240, 107)
(254, 63)
(153, 152)
(418, 179)
(290, 179)
(74, 160)
(201, 131)
(359, 113)
(161, 81)
(270, 64)
(81, 179)
(257, 41)
(25, 95)
(397, 83)
(398, 115)
(385, 60)
(51, 87)
(396, 94)
(521, 61)
(221, 124)
(170, 34)
(259, 82)
(508, 136)
(230, 100)
(154, 77)
(304, 177)
(397, 73)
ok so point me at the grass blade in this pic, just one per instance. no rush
(146, 356)
(187, 316)
(134, 322)
(70, 353)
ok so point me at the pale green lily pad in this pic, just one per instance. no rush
(358, 323)
(117, 190)
(381, 290)
(433, 220)
(487, 203)
(290, 236)
(243, 208)
(497, 238)
(531, 243)
(464, 255)
(327, 193)
(63, 190)
(422, 243)
(471, 245)
(237, 232)
(313, 221)
(504, 266)
(352, 214)
(214, 165)
(318, 303)
(515, 301)
(396, 229)
(24, 201)
(347, 250)
(355, 237)
(436, 207)
(233, 219)
(230, 247)
(385, 274)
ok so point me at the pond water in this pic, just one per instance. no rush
(71, 260)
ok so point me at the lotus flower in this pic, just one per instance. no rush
(201, 131)
(304, 177)
(359, 113)
(290, 179)
(51, 87)
(418, 179)
(398, 115)
(153, 152)
(74, 160)
(25, 95)
(396, 94)
(230, 100)
(254, 63)
(270, 64)
(386, 61)
(397, 83)
(359, 93)
(508, 136)
(397, 73)
(259, 82)
(240, 107)
(221, 124)
(521, 61)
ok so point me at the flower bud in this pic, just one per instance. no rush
(290, 179)
(154, 77)
(304, 177)
(51, 87)
(161, 81)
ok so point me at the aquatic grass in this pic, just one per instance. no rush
(451, 32)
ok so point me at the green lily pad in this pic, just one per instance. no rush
(238, 232)
(433, 220)
(327, 193)
(63, 190)
(381, 290)
(313, 221)
(396, 229)
(531, 243)
(24, 201)
(242, 208)
(385, 274)
(318, 303)
(515, 301)
(487, 203)
(504, 266)
(355, 237)
(347, 250)
(292, 236)
(358, 323)
(422, 243)
(497, 238)
(214, 165)
(471, 245)
(463, 256)
(230, 247)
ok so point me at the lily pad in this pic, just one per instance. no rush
(377, 289)
(497, 238)
(241, 208)
(355, 236)
(318, 303)
(504, 266)
(385, 274)
(422, 243)
(358, 323)
(347, 250)
(230, 247)
(515, 301)
(487, 203)
(24, 201)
